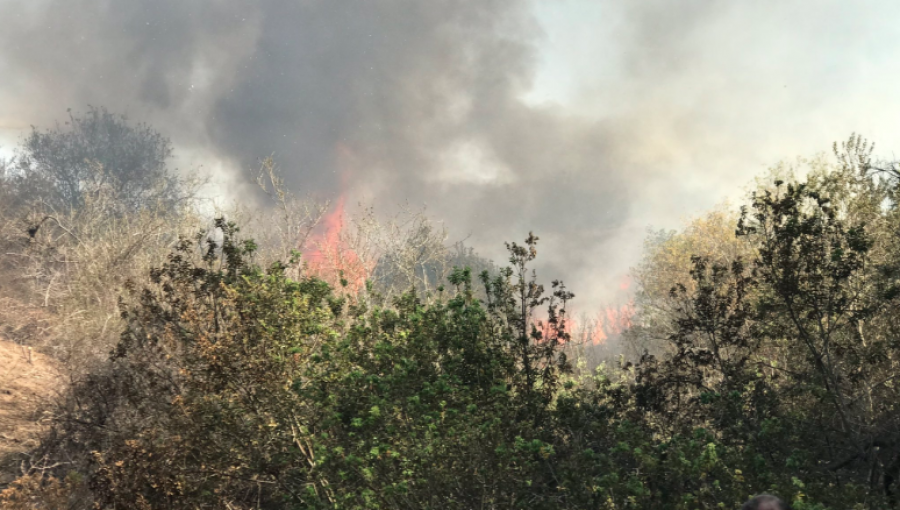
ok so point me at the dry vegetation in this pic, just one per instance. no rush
(67, 258)
(151, 358)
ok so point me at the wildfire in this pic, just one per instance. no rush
(569, 326)
(328, 254)
(597, 329)
(611, 321)
(329, 257)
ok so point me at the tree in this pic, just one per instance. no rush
(84, 207)
(789, 356)
(95, 151)
(667, 263)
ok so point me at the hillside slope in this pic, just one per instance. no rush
(26, 387)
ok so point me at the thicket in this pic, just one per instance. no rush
(767, 363)
(84, 207)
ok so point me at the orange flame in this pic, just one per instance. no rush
(613, 321)
(608, 322)
(331, 259)
(569, 327)
(328, 254)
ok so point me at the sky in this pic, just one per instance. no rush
(586, 121)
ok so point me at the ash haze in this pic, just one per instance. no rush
(584, 120)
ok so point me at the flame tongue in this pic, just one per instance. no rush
(328, 253)
(611, 321)
(329, 257)
(608, 322)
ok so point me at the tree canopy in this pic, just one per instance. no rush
(96, 151)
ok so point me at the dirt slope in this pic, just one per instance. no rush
(26, 387)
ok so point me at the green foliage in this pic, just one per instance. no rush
(787, 358)
(235, 386)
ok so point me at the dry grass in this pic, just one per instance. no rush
(62, 272)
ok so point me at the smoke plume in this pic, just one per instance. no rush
(427, 102)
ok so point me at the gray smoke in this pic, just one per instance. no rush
(395, 101)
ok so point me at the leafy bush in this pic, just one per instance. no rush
(237, 386)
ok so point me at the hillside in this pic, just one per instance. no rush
(25, 389)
